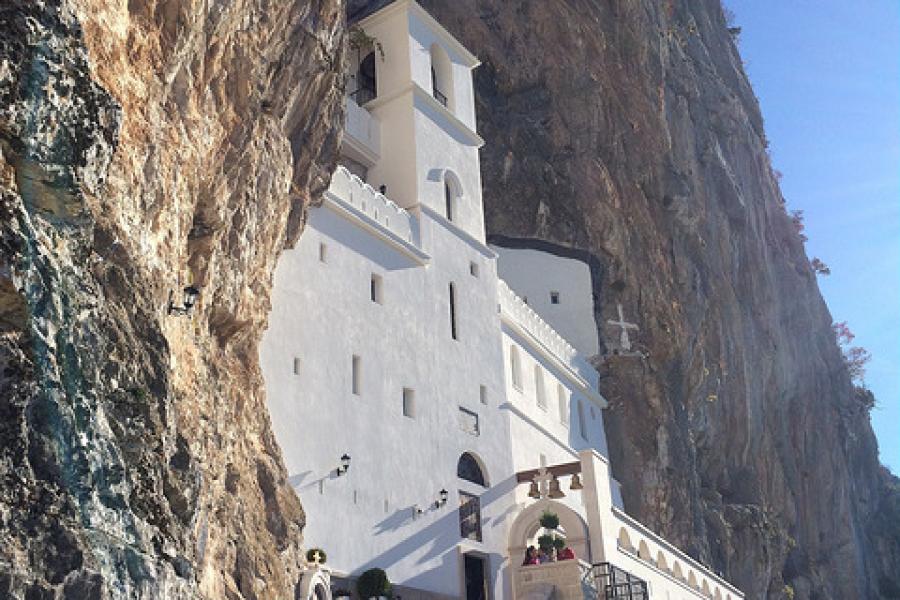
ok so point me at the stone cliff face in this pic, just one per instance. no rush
(629, 130)
(144, 146)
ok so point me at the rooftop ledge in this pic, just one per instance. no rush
(522, 318)
(354, 199)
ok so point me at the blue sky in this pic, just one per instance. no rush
(827, 75)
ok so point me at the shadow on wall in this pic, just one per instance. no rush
(439, 536)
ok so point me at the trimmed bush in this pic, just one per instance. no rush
(373, 583)
(549, 520)
(311, 555)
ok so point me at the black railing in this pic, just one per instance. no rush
(440, 97)
(366, 90)
(619, 584)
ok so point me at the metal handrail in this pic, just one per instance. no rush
(440, 97)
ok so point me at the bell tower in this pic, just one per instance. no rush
(411, 81)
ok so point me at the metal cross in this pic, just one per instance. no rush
(624, 340)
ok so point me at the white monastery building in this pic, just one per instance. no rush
(427, 414)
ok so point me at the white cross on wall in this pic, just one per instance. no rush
(624, 340)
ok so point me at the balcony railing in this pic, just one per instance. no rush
(619, 584)
(366, 90)
(440, 97)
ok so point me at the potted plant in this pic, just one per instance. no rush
(558, 544)
(373, 583)
(549, 520)
(545, 543)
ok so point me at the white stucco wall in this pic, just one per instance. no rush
(322, 314)
(533, 274)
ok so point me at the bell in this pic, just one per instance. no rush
(555, 492)
(576, 483)
(533, 491)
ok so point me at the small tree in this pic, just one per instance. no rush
(855, 357)
(797, 222)
(819, 267)
(373, 583)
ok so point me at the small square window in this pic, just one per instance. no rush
(468, 421)
(377, 289)
(554, 297)
(482, 394)
(473, 269)
(323, 252)
(525, 299)
(297, 365)
(409, 403)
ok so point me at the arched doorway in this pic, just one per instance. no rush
(527, 524)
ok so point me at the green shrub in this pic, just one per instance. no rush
(311, 555)
(372, 583)
(549, 520)
(545, 542)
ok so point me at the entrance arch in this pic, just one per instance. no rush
(527, 524)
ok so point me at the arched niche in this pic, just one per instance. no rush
(644, 551)
(441, 76)
(625, 540)
(692, 580)
(718, 594)
(661, 561)
(705, 588)
(315, 584)
(527, 523)
(470, 468)
(677, 572)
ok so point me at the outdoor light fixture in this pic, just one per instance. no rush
(345, 465)
(576, 483)
(442, 498)
(555, 492)
(534, 491)
(190, 294)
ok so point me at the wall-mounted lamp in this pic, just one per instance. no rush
(344, 467)
(555, 492)
(576, 483)
(442, 498)
(416, 511)
(189, 298)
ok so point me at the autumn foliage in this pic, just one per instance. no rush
(855, 357)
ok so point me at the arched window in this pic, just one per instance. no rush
(469, 468)
(441, 76)
(452, 194)
(366, 86)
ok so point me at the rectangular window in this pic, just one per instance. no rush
(409, 403)
(473, 269)
(376, 291)
(296, 366)
(323, 252)
(482, 394)
(469, 517)
(448, 200)
(515, 367)
(357, 375)
(582, 426)
(453, 332)
(563, 405)
(554, 297)
(468, 421)
(539, 390)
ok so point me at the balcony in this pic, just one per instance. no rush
(362, 134)
(373, 209)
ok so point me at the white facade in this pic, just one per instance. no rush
(392, 340)
(558, 288)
